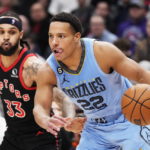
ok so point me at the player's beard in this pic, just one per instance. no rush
(11, 50)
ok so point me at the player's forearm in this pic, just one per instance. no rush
(41, 115)
(144, 77)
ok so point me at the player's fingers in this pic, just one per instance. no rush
(60, 118)
(57, 122)
(68, 128)
(53, 126)
(68, 119)
(71, 126)
(52, 131)
(82, 120)
(74, 121)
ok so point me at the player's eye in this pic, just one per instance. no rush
(50, 36)
(1, 32)
(61, 36)
(12, 32)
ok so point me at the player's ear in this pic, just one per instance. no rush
(77, 36)
(21, 34)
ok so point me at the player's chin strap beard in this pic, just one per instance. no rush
(11, 51)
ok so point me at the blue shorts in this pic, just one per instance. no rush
(117, 135)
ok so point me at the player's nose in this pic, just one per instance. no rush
(6, 36)
(55, 41)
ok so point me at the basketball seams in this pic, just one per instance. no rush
(142, 114)
(137, 101)
(136, 104)
(133, 100)
(142, 104)
(129, 98)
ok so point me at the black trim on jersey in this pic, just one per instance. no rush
(80, 64)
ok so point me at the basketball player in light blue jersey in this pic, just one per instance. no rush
(94, 75)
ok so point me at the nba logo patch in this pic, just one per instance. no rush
(14, 73)
(13, 21)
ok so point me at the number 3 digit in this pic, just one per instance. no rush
(10, 112)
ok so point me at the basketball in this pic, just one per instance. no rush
(136, 104)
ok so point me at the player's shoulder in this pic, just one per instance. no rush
(34, 61)
(31, 67)
(44, 68)
(45, 73)
(105, 47)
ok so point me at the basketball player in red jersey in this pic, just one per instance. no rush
(18, 75)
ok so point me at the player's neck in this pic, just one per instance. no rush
(9, 60)
(74, 60)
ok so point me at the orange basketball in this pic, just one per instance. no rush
(136, 104)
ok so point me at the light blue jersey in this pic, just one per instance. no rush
(99, 95)
(96, 93)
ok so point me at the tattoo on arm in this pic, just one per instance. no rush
(31, 70)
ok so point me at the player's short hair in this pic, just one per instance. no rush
(68, 18)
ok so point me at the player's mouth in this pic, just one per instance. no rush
(57, 52)
(6, 45)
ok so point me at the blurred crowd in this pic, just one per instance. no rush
(125, 23)
(104, 20)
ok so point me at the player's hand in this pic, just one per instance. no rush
(54, 123)
(75, 124)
